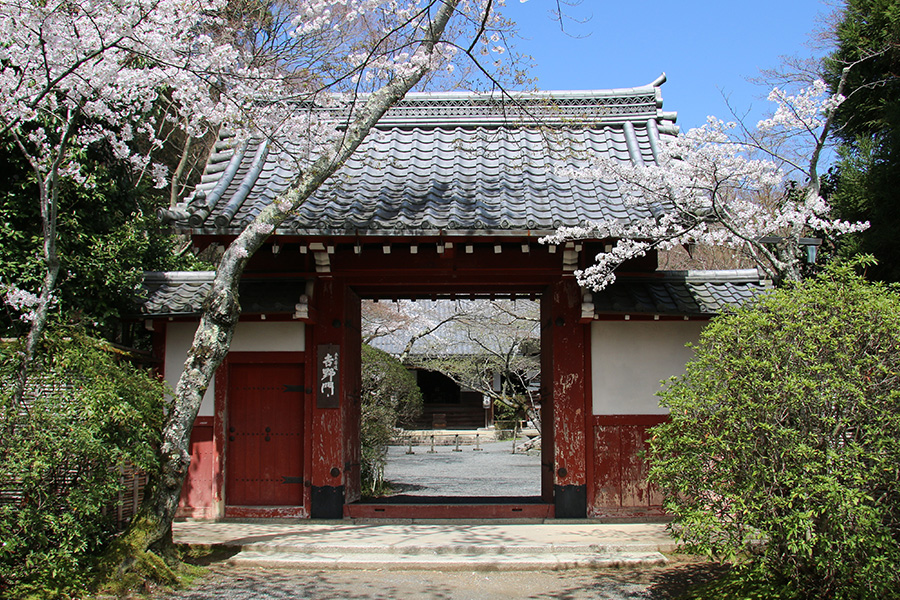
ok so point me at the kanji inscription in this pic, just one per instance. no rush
(328, 376)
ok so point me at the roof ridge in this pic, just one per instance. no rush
(714, 275)
(566, 107)
(178, 276)
(536, 94)
(537, 107)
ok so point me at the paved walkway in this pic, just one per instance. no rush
(667, 582)
(440, 561)
(472, 546)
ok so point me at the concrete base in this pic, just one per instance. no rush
(458, 562)
(457, 545)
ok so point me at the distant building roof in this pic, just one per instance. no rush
(463, 327)
(457, 163)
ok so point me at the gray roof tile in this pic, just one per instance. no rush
(182, 293)
(669, 293)
(451, 162)
(687, 293)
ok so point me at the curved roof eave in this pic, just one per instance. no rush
(452, 164)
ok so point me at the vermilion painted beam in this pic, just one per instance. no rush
(548, 441)
(351, 382)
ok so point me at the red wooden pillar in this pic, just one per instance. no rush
(563, 348)
(337, 314)
(352, 383)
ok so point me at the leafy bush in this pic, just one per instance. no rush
(86, 413)
(783, 445)
(390, 396)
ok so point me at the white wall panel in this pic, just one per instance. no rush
(629, 359)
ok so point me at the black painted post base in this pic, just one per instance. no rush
(327, 502)
(570, 501)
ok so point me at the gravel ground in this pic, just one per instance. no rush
(244, 583)
(492, 471)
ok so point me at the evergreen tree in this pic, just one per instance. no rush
(783, 429)
(108, 235)
(864, 184)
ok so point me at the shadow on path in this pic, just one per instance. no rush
(243, 583)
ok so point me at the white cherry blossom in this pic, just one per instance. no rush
(708, 187)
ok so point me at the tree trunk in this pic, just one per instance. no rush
(176, 186)
(48, 200)
(40, 316)
(222, 308)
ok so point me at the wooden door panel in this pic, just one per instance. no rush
(265, 425)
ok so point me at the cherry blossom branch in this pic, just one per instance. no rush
(485, 15)
(706, 188)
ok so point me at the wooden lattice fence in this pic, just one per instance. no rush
(63, 476)
(132, 484)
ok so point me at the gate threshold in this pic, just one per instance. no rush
(450, 507)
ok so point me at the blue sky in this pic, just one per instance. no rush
(707, 48)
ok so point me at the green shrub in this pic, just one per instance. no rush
(390, 397)
(86, 413)
(783, 447)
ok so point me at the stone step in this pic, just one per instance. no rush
(480, 545)
(319, 548)
(518, 561)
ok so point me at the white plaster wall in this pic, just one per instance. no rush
(629, 359)
(277, 336)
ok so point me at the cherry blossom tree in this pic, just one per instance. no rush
(65, 83)
(420, 52)
(128, 73)
(724, 185)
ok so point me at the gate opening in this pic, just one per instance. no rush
(451, 407)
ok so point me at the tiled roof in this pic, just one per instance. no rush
(687, 293)
(671, 293)
(452, 163)
(182, 293)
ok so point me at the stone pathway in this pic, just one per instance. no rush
(443, 561)
(249, 583)
(451, 546)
